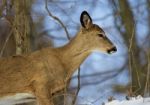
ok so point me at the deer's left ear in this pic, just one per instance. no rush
(85, 20)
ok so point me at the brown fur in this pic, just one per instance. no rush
(46, 71)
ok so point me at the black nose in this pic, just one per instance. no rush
(112, 50)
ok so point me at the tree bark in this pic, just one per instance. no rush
(22, 25)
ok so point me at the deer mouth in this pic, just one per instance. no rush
(112, 50)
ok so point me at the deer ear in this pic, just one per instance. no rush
(85, 20)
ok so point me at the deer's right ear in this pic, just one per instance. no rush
(85, 20)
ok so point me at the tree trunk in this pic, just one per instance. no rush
(138, 75)
(21, 25)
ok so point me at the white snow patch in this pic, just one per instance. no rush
(133, 101)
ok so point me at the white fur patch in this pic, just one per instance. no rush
(17, 99)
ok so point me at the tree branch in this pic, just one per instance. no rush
(57, 19)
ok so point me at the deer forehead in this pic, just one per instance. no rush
(95, 28)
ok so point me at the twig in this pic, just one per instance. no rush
(56, 18)
(131, 40)
(6, 41)
(78, 88)
(146, 90)
(130, 57)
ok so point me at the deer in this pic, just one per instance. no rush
(46, 71)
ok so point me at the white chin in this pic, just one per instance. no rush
(97, 50)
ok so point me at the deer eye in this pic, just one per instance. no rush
(100, 35)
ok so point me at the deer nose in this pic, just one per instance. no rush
(112, 50)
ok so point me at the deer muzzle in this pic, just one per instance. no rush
(112, 50)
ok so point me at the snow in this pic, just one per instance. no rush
(26, 98)
(133, 101)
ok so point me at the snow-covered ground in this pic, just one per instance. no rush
(133, 101)
(29, 98)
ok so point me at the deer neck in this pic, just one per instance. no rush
(73, 54)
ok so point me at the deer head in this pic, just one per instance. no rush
(94, 36)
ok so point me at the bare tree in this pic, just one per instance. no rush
(137, 70)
